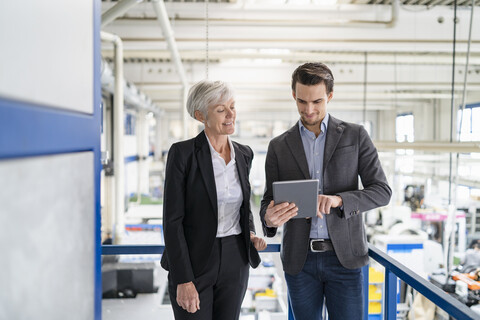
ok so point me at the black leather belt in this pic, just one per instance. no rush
(320, 245)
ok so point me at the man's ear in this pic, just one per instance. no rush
(330, 96)
(294, 95)
(199, 116)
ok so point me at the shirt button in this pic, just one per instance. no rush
(316, 153)
(318, 171)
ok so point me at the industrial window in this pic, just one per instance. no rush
(404, 129)
(470, 130)
(129, 121)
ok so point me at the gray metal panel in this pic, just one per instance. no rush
(47, 240)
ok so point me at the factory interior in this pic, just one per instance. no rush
(93, 95)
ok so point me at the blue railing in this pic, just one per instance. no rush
(393, 270)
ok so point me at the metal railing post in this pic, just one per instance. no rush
(366, 283)
(390, 302)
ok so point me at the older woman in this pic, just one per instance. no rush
(208, 225)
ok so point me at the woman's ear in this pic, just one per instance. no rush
(199, 116)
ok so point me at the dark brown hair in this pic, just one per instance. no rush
(313, 73)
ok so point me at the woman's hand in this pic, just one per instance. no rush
(187, 297)
(259, 243)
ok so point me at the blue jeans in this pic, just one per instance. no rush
(324, 276)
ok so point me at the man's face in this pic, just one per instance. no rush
(311, 103)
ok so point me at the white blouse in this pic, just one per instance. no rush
(229, 193)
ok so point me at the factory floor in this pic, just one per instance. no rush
(145, 306)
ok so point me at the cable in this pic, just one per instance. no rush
(452, 107)
(365, 90)
(452, 215)
(464, 94)
(206, 39)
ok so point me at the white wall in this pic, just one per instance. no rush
(47, 53)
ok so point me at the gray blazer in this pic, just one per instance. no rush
(349, 153)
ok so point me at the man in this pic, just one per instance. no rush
(472, 257)
(322, 256)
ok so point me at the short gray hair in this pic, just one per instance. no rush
(205, 94)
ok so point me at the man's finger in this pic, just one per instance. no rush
(279, 208)
(328, 206)
(283, 215)
(287, 215)
(322, 207)
(285, 218)
(288, 210)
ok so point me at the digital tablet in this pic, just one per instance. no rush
(301, 192)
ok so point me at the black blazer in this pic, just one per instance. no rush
(190, 213)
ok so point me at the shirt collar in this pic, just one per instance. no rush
(324, 124)
(213, 151)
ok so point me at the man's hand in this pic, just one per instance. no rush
(187, 297)
(325, 203)
(277, 215)
(259, 243)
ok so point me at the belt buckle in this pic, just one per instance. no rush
(311, 245)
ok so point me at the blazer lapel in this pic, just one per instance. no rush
(334, 132)
(204, 159)
(294, 142)
(242, 165)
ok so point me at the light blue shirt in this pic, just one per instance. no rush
(314, 150)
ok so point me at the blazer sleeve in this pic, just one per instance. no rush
(178, 257)
(271, 175)
(376, 192)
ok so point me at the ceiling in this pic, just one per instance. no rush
(383, 56)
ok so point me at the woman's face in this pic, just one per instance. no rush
(221, 118)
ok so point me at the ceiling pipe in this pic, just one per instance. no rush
(108, 16)
(117, 10)
(162, 17)
(395, 6)
(118, 153)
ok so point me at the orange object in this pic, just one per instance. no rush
(472, 284)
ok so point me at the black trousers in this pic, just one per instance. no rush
(222, 284)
